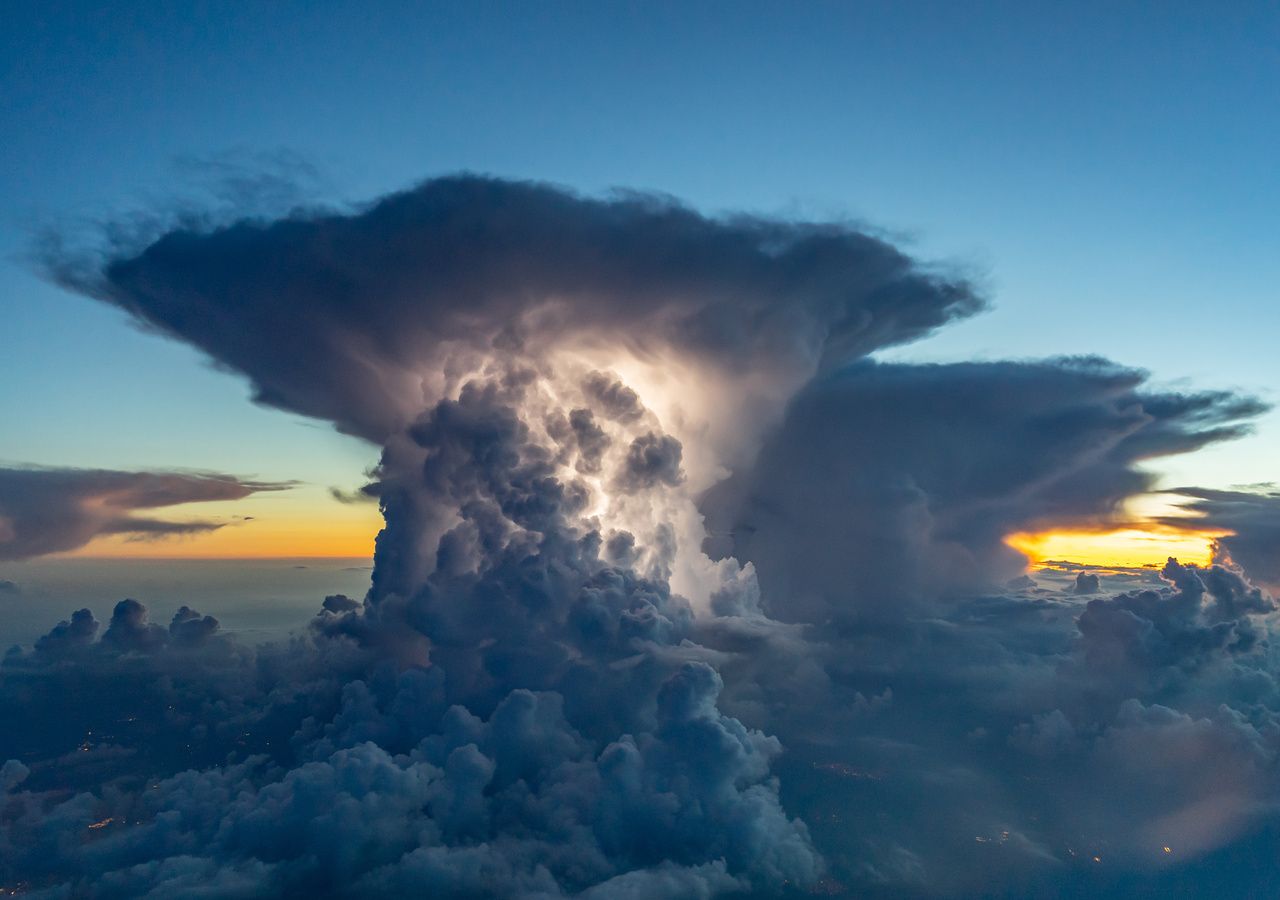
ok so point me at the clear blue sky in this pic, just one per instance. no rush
(1108, 168)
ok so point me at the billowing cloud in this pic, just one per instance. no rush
(1087, 583)
(45, 510)
(355, 317)
(551, 690)
(1252, 517)
(892, 482)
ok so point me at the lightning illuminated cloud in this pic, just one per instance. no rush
(677, 595)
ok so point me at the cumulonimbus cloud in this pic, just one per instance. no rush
(350, 317)
(48, 510)
(918, 473)
(550, 690)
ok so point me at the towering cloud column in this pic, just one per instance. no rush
(551, 689)
(554, 382)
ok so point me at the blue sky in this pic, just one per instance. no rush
(1107, 170)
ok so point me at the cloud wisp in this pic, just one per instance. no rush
(678, 593)
(47, 510)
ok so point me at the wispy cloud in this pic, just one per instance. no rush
(49, 510)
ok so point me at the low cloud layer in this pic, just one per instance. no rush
(44, 510)
(678, 594)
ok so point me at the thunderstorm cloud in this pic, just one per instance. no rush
(680, 593)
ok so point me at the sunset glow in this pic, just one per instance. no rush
(1133, 547)
(321, 530)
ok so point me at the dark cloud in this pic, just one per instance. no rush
(339, 603)
(1087, 583)
(591, 440)
(46, 510)
(362, 495)
(651, 459)
(1008, 745)
(616, 400)
(343, 317)
(67, 636)
(887, 482)
(1253, 517)
(1209, 613)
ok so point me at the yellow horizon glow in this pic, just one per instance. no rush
(275, 528)
(283, 540)
(1131, 547)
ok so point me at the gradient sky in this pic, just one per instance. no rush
(1106, 170)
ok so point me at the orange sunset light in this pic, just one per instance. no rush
(275, 531)
(284, 540)
(1131, 547)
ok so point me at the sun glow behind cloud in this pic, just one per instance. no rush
(1132, 547)
(1151, 531)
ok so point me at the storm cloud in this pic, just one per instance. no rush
(44, 510)
(893, 482)
(354, 317)
(1253, 519)
(678, 593)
